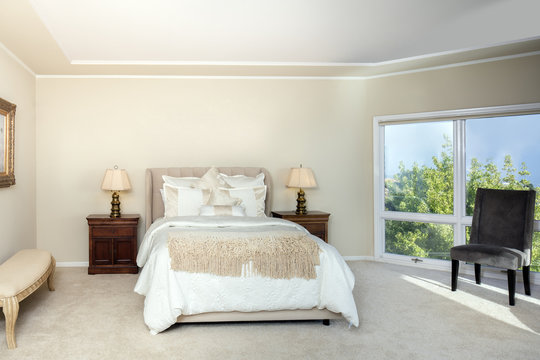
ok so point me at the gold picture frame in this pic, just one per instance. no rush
(7, 143)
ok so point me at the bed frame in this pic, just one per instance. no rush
(155, 209)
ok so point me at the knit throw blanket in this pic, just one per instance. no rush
(276, 254)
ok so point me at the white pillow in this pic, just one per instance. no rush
(180, 201)
(241, 181)
(252, 198)
(222, 210)
(182, 181)
(162, 192)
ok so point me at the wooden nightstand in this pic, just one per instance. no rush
(316, 222)
(112, 244)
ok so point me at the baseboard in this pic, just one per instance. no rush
(356, 258)
(72, 264)
(464, 269)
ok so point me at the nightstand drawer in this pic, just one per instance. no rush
(113, 231)
(315, 229)
(316, 222)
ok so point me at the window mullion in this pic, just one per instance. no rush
(459, 181)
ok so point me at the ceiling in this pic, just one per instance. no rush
(262, 37)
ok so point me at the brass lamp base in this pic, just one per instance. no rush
(115, 205)
(301, 203)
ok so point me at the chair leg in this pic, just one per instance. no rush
(11, 312)
(455, 270)
(526, 279)
(512, 286)
(477, 273)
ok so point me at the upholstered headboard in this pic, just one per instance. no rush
(154, 182)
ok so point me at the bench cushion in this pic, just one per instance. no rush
(22, 270)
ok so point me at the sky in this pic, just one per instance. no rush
(486, 139)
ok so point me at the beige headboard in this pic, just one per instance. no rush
(154, 182)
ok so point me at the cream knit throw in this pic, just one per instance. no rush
(276, 254)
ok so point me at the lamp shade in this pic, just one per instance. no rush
(301, 178)
(116, 180)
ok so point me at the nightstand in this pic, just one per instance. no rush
(112, 244)
(316, 222)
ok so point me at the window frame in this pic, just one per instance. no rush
(458, 219)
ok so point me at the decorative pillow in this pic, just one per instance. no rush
(252, 198)
(241, 181)
(180, 201)
(221, 196)
(210, 179)
(222, 210)
(182, 181)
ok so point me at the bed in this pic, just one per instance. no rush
(188, 296)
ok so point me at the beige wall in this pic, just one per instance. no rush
(87, 125)
(17, 203)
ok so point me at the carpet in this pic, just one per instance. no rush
(405, 313)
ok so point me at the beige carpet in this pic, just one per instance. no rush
(405, 313)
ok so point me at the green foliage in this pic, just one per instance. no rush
(429, 189)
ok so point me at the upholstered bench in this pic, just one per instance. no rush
(20, 276)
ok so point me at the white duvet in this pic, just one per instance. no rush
(172, 293)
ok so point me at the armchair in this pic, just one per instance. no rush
(501, 236)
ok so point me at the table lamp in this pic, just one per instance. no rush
(301, 178)
(115, 180)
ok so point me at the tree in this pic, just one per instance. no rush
(429, 189)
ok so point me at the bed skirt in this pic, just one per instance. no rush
(280, 315)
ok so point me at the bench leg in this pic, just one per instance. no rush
(11, 312)
(50, 279)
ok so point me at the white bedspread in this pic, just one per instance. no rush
(172, 293)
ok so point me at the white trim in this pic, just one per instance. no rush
(14, 57)
(431, 264)
(419, 217)
(378, 228)
(436, 265)
(458, 51)
(279, 64)
(204, 77)
(464, 269)
(72, 264)
(359, 258)
(453, 65)
(459, 113)
(460, 189)
(220, 63)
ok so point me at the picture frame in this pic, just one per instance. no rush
(7, 143)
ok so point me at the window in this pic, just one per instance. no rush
(429, 165)
(413, 182)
